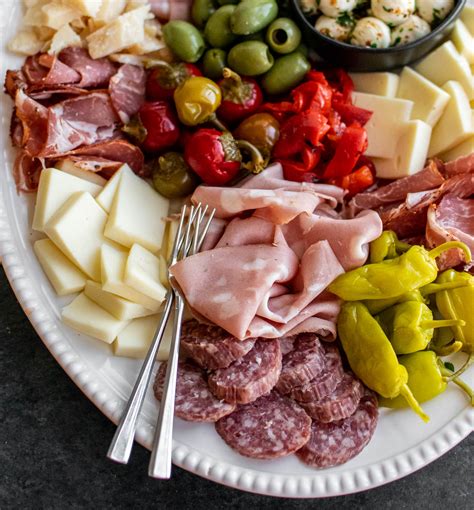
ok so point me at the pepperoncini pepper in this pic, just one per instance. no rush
(393, 277)
(387, 246)
(196, 100)
(458, 303)
(371, 355)
(410, 326)
(427, 378)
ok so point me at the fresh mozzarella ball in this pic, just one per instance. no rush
(371, 32)
(393, 12)
(434, 10)
(334, 8)
(414, 28)
(309, 7)
(332, 28)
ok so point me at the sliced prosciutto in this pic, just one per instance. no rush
(275, 284)
(451, 220)
(463, 165)
(127, 91)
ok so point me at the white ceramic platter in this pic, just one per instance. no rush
(402, 442)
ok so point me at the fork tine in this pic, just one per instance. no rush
(205, 230)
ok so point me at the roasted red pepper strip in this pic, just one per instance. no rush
(357, 181)
(299, 130)
(350, 113)
(341, 82)
(351, 145)
(297, 172)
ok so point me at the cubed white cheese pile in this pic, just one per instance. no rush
(107, 241)
(425, 111)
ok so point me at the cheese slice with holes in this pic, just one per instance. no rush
(77, 229)
(64, 276)
(89, 318)
(54, 189)
(134, 340)
(113, 261)
(121, 308)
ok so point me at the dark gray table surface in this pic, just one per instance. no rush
(53, 444)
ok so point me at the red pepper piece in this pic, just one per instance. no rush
(303, 128)
(341, 83)
(352, 144)
(294, 171)
(357, 181)
(312, 95)
(155, 127)
(165, 78)
(350, 113)
(213, 155)
(240, 97)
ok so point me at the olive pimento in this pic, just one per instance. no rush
(155, 127)
(240, 97)
(165, 78)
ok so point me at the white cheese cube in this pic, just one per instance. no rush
(380, 84)
(134, 341)
(467, 17)
(121, 308)
(68, 166)
(142, 273)
(444, 64)
(126, 30)
(137, 214)
(429, 101)
(54, 189)
(171, 236)
(57, 15)
(77, 229)
(64, 276)
(113, 261)
(455, 125)
(87, 317)
(463, 40)
(106, 197)
(25, 42)
(384, 127)
(65, 37)
(412, 149)
(85, 7)
(463, 149)
(164, 272)
(110, 9)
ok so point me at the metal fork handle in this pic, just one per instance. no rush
(160, 460)
(122, 442)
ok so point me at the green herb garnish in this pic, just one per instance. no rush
(373, 45)
(397, 41)
(449, 366)
(345, 19)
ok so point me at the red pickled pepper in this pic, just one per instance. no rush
(164, 78)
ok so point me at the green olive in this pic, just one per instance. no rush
(226, 2)
(172, 177)
(217, 30)
(287, 72)
(283, 35)
(251, 16)
(258, 36)
(213, 63)
(302, 48)
(250, 58)
(184, 40)
(201, 11)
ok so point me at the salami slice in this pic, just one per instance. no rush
(305, 362)
(212, 347)
(249, 377)
(337, 442)
(271, 427)
(194, 401)
(326, 382)
(340, 404)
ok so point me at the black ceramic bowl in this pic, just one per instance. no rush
(356, 58)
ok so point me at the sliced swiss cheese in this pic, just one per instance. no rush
(463, 40)
(455, 125)
(121, 308)
(463, 149)
(381, 84)
(64, 276)
(384, 127)
(77, 229)
(467, 17)
(137, 214)
(412, 149)
(54, 189)
(134, 341)
(143, 273)
(113, 261)
(445, 63)
(89, 318)
(106, 197)
(429, 101)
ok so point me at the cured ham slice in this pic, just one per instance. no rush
(34, 120)
(461, 165)
(451, 220)
(26, 172)
(127, 91)
(171, 9)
